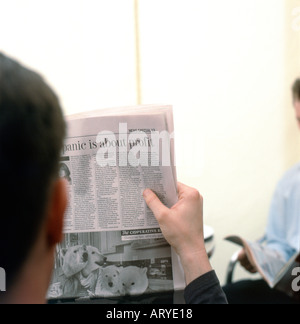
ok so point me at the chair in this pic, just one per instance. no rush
(231, 267)
(209, 238)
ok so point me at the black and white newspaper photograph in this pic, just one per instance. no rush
(102, 265)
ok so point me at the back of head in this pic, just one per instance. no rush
(32, 130)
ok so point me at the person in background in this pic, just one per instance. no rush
(34, 199)
(282, 233)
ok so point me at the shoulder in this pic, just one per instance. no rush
(292, 171)
(291, 179)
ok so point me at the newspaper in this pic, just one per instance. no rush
(270, 264)
(113, 244)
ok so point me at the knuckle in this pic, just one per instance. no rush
(163, 215)
(195, 195)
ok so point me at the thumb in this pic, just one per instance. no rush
(155, 204)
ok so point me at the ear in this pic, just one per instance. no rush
(56, 212)
(144, 271)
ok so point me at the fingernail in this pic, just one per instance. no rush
(147, 192)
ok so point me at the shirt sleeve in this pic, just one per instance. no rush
(280, 218)
(205, 290)
(276, 222)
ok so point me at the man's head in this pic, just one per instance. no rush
(296, 99)
(32, 130)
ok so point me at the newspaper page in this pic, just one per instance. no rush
(268, 262)
(272, 266)
(287, 280)
(113, 244)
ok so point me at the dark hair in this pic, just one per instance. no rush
(296, 90)
(32, 130)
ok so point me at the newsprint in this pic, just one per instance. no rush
(113, 245)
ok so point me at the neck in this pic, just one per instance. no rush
(33, 282)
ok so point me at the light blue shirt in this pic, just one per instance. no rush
(283, 230)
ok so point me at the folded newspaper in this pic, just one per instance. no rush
(271, 265)
(113, 245)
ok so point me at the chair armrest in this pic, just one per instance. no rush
(230, 270)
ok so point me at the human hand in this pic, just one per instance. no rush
(245, 263)
(182, 227)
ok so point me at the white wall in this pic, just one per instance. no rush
(222, 64)
(292, 71)
(226, 66)
(85, 48)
